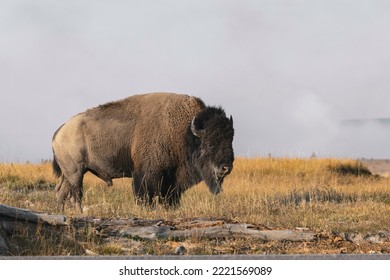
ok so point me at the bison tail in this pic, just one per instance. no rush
(56, 168)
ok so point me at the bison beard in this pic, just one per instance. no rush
(166, 142)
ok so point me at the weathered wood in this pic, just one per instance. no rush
(11, 226)
(12, 218)
(212, 232)
(245, 231)
(3, 247)
(20, 214)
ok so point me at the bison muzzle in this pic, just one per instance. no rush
(166, 142)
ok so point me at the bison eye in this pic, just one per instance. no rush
(210, 146)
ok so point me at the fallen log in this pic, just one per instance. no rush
(12, 218)
(196, 228)
(20, 214)
(225, 231)
(3, 247)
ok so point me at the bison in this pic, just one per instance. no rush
(166, 142)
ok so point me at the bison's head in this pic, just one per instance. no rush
(212, 135)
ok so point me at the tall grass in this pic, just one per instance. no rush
(274, 192)
(322, 194)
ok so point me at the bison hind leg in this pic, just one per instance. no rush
(74, 192)
(76, 196)
(59, 185)
(62, 192)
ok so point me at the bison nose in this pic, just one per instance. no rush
(227, 168)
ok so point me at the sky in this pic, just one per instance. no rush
(292, 73)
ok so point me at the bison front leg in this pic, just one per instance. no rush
(155, 188)
(170, 196)
(140, 190)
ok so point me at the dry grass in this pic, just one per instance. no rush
(322, 194)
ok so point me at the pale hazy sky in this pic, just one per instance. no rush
(288, 71)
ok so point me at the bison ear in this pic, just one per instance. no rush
(231, 120)
(196, 131)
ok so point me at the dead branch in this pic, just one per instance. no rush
(196, 228)
(20, 214)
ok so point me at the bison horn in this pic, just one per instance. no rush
(231, 119)
(197, 132)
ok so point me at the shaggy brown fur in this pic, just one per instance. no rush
(142, 136)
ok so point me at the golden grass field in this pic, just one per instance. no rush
(328, 196)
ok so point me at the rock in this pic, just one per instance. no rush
(379, 237)
(358, 238)
(180, 250)
(353, 237)
(91, 253)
